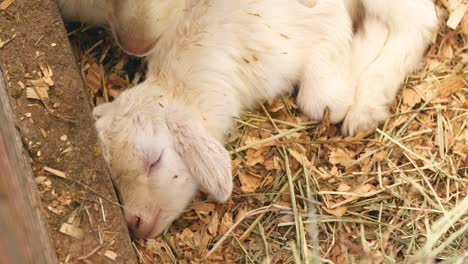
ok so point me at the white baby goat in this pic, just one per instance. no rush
(209, 59)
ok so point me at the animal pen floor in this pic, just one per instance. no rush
(299, 187)
(376, 195)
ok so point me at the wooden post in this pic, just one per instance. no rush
(84, 219)
(24, 237)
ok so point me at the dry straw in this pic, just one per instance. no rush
(304, 194)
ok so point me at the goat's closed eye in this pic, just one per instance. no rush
(156, 163)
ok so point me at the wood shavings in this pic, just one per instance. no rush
(38, 85)
(186, 238)
(55, 172)
(47, 73)
(410, 98)
(111, 255)
(43, 93)
(103, 212)
(5, 42)
(96, 249)
(93, 78)
(456, 16)
(341, 157)
(204, 208)
(343, 187)
(451, 85)
(44, 133)
(5, 4)
(226, 223)
(249, 182)
(54, 210)
(71, 230)
(44, 181)
(339, 211)
(213, 224)
(299, 157)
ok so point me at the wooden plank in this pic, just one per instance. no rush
(24, 236)
(79, 203)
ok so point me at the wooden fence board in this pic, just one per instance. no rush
(24, 236)
(85, 199)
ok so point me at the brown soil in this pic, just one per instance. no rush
(62, 138)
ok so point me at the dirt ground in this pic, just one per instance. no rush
(58, 133)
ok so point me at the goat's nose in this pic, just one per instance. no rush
(134, 223)
(142, 227)
(133, 45)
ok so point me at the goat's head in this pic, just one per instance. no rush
(159, 154)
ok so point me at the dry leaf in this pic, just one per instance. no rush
(341, 157)
(186, 238)
(115, 93)
(271, 164)
(255, 156)
(301, 158)
(337, 255)
(116, 80)
(287, 218)
(451, 85)
(249, 183)
(446, 50)
(363, 189)
(214, 223)
(381, 156)
(343, 187)
(410, 97)
(241, 212)
(250, 140)
(339, 211)
(226, 223)
(275, 106)
(93, 78)
(204, 208)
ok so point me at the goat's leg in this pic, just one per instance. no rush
(325, 80)
(390, 45)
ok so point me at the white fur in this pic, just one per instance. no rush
(214, 58)
(390, 45)
(86, 11)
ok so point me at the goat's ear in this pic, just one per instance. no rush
(103, 121)
(102, 109)
(206, 158)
